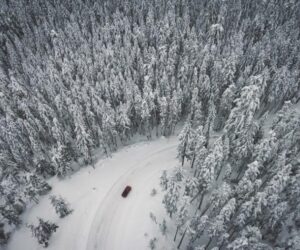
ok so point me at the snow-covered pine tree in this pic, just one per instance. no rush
(182, 214)
(197, 142)
(164, 180)
(210, 120)
(163, 227)
(60, 205)
(164, 114)
(217, 228)
(226, 104)
(241, 126)
(171, 197)
(84, 142)
(197, 227)
(39, 184)
(60, 159)
(123, 122)
(43, 231)
(185, 138)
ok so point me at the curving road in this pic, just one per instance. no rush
(102, 219)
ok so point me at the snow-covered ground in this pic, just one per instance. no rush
(102, 219)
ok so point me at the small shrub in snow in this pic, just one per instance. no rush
(164, 181)
(163, 227)
(153, 217)
(3, 235)
(43, 231)
(60, 206)
(153, 192)
(152, 243)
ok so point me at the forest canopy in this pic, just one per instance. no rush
(76, 75)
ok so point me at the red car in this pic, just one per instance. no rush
(126, 191)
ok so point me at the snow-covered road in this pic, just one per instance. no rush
(102, 219)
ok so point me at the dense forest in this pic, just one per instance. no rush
(76, 75)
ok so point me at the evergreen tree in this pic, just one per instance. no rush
(182, 215)
(164, 180)
(84, 143)
(60, 206)
(241, 126)
(171, 198)
(163, 227)
(60, 159)
(43, 231)
(184, 141)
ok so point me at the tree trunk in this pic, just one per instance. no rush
(205, 210)
(208, 243)
(195, 173)
(181, 240)
(218, 175)
(195, 196)
(149, 131)
(201, 201)
(156, 121)
(239, 174)
(177, 229)
(183, 155)
(193, 161)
